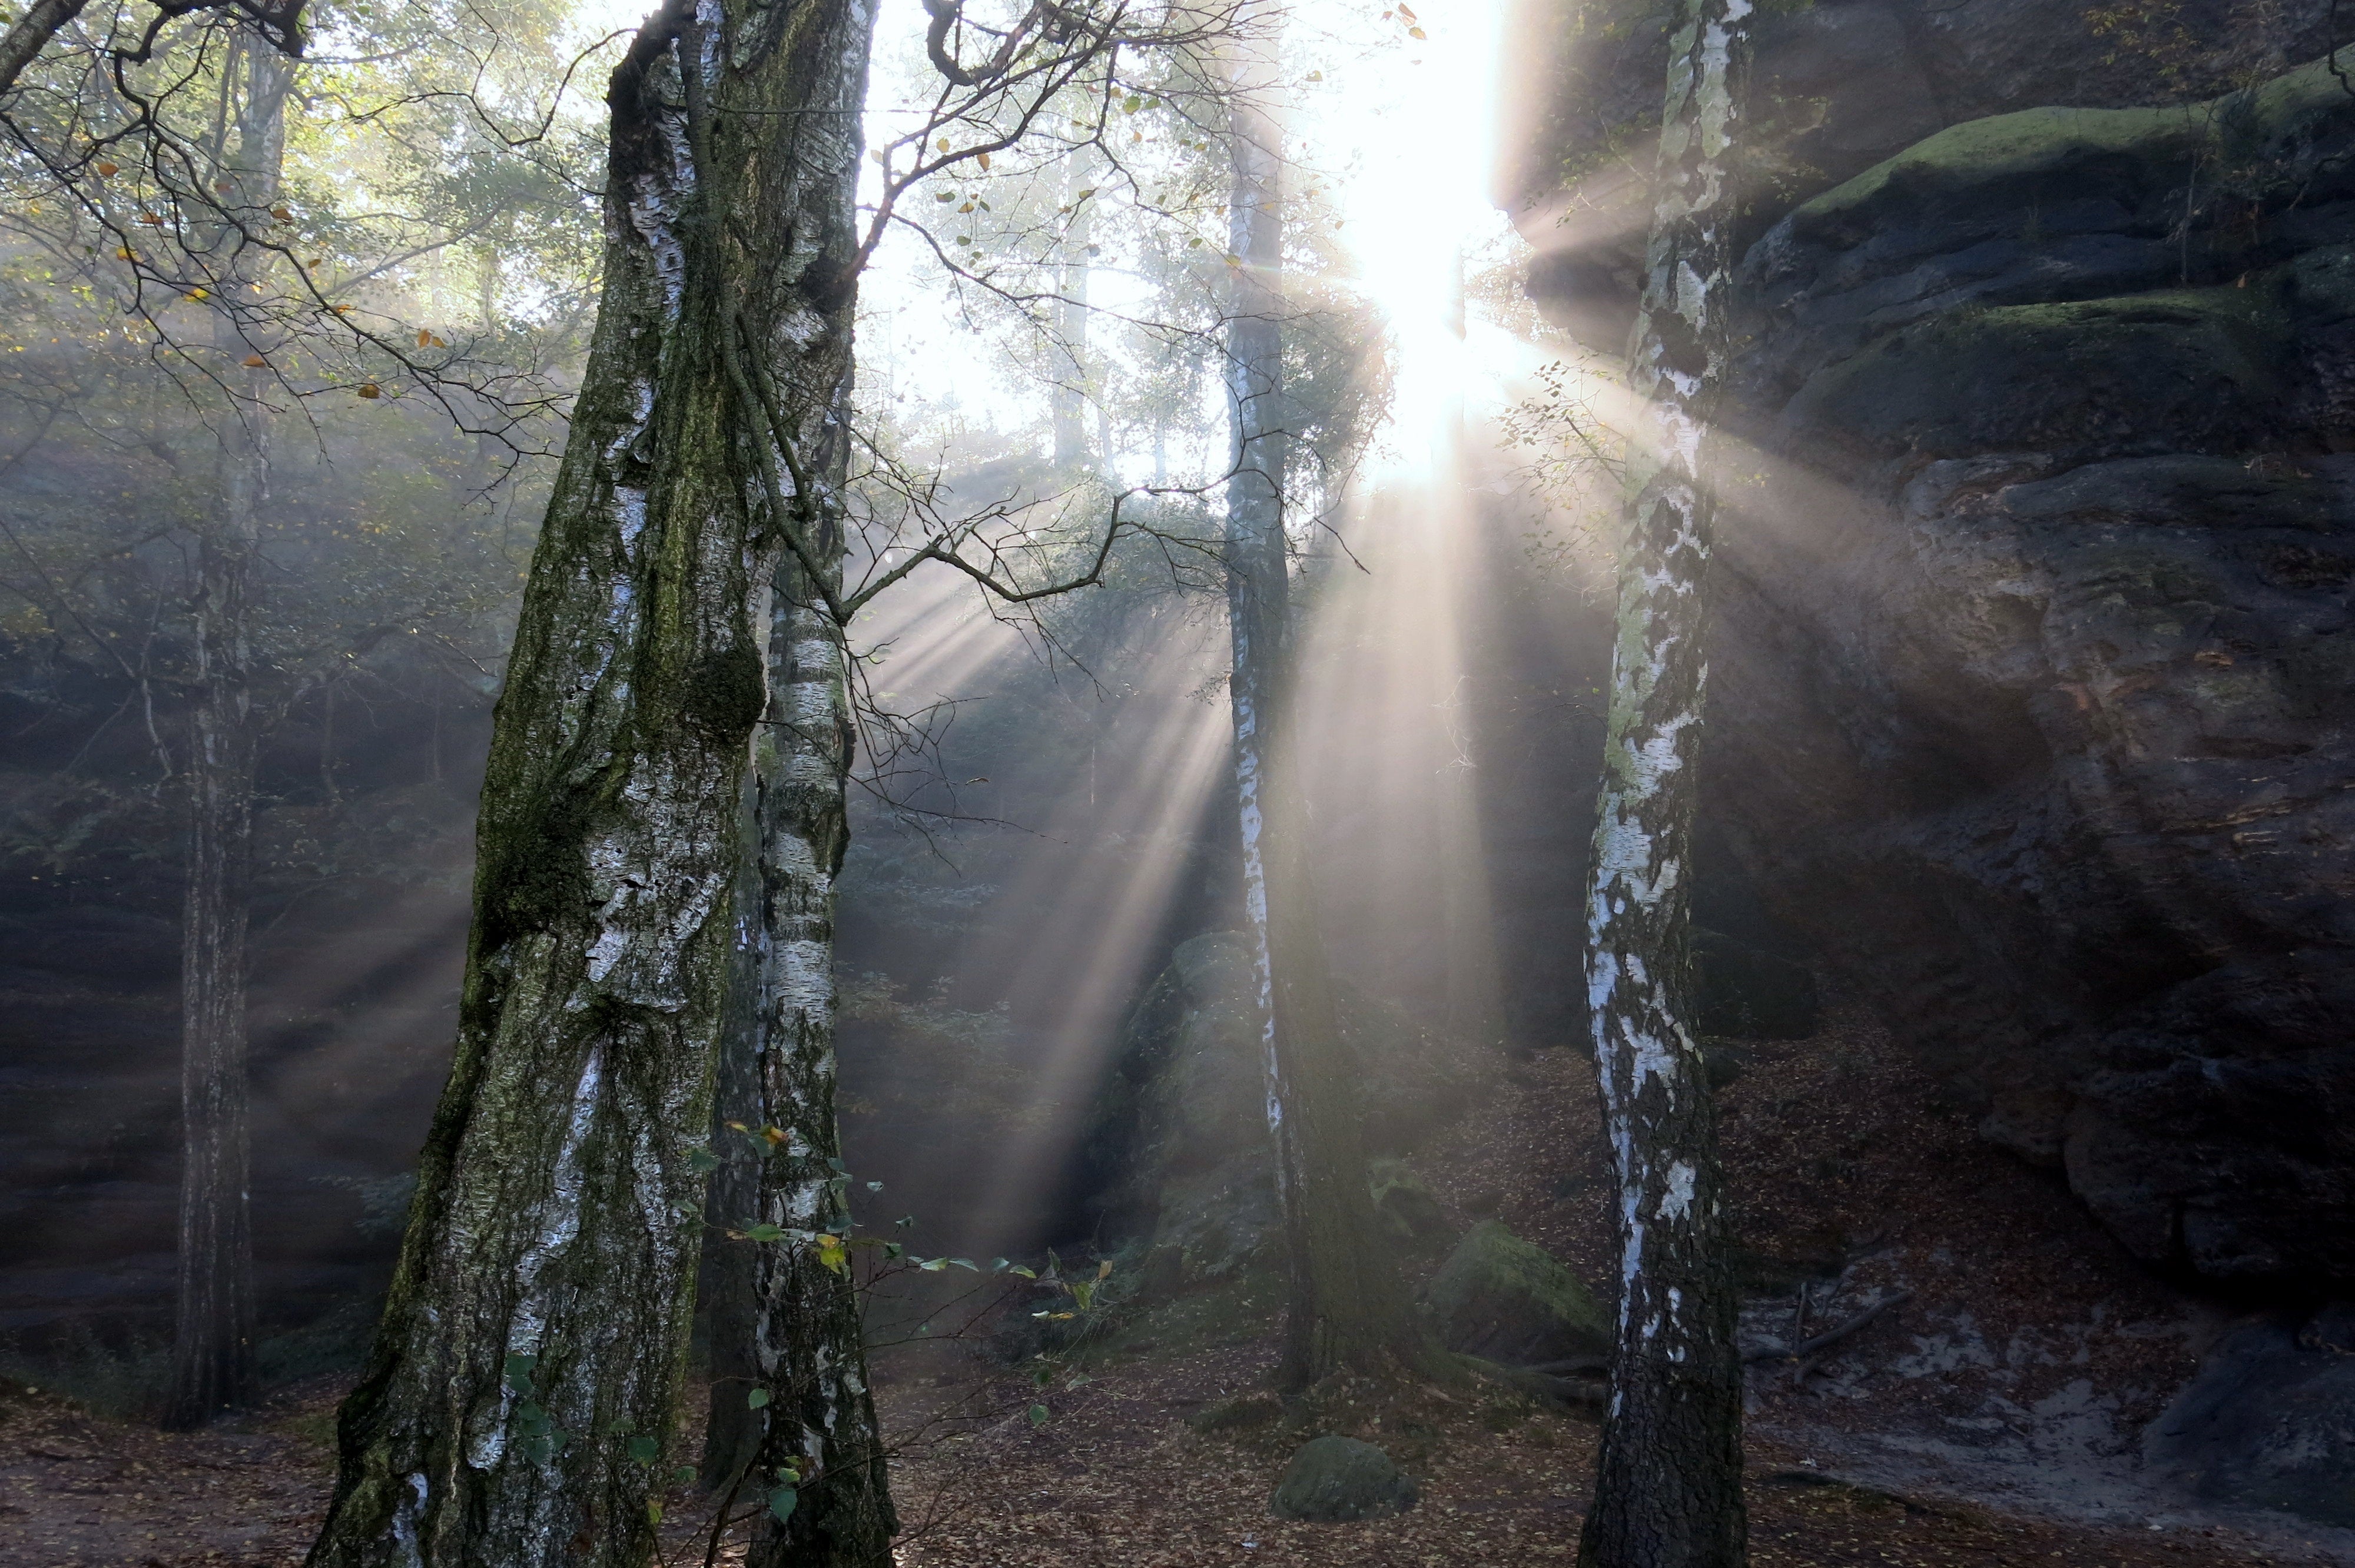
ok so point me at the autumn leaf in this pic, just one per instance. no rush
(424, 338)
(983, 159)
(107, 171)
(282, 215)
(370, 389)
(255, 362)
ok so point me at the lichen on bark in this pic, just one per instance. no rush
(1669, 1479)
(517, 1405)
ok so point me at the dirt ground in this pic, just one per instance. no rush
(1988, 1422)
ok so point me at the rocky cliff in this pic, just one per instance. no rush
(2035, 668)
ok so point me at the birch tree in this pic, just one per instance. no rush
(1669, 1479)
(1346, 1307)
(212, 1342)
(518, 1401)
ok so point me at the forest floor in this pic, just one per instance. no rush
(1987, 1421)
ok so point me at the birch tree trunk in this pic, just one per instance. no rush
(518, 1403)
(213, 1328)
(1346, 1307)
(1668, 1482)
(821, 1436)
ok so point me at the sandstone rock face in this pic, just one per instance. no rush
(2270, 1420)
(2038, 668)
(1839, 85)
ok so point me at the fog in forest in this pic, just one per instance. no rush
(1255, 1115)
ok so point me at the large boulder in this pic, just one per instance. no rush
(1513, 1302)
(1334, 1479)
(2270, 1420)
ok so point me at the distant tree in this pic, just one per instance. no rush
(189, 253)
(1669, 1479)
(1347, 1307)
(212, 1339)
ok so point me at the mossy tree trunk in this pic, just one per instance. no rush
(213, 1329)
(1347, 1306)
(724, 1287)
(1669, 1479)
(517, 1407)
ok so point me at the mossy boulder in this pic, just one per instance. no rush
(1334, 1479)
(1511, 1301)
(1410, 1217)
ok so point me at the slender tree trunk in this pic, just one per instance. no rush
(810, 1358)
(1347, 1306)
(1668, 1482)
(518, 1404)
(212, 1340)
(1068, 393)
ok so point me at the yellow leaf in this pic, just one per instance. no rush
(370, 389)
(196, 294)
(983, 159)
(966, 207)
(342, 310)
(424, 338)
(125, 254)
(944, 143)
(774, 1134)
(1416, 33)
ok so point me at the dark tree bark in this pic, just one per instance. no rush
(1669, 1481)
(30, 33)
(518, 1403)
(731, 1431)
(213, 1329)
(1346, 1307)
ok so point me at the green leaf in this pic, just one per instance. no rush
(683, 1475)
(757, 1398)
(782, 1501)
(894, 1250)
(875, 1186)
(1037, 1415)
(519, 1369)
(644, 1451)
(702, 1161)
(1025, 1273)
(765, 1232)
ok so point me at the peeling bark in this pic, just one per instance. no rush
(213, 1327)
(517, 1407)
(1668, 1483)
(1346, 1307)
(809, 1354)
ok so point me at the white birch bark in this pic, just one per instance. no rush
(1668, 1482)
